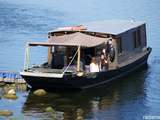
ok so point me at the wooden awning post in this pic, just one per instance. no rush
(49, 55)
(78, 59)
(27, 57)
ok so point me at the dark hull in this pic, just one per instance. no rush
(91, 80)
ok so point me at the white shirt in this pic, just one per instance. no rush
(93, 67)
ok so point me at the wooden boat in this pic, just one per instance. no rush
(70, 50)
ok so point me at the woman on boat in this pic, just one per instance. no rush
(93, 65)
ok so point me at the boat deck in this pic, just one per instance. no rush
(49, 70)
(133, 58)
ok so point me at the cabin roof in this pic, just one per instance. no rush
(113, 27)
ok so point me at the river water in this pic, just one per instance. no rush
(131, 98)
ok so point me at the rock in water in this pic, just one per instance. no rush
(11, 92)
(39, 92)
(79, 118)
(6, 113)
(9, 96)
(2, 83)
(79, 112)
(52, 112)
(50, 109)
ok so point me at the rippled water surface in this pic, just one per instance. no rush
(128, 99)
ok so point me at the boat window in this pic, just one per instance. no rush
(137, 38)
(119, 45)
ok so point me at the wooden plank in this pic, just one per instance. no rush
(49, 55)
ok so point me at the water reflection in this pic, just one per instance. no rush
(109, 100)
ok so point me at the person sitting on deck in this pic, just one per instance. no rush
(93, 65)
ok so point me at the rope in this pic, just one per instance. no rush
(70, 62)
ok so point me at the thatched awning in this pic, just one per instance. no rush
(74, 39)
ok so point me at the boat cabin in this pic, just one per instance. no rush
(107, 44)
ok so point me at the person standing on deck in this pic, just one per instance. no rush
(104, 62)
